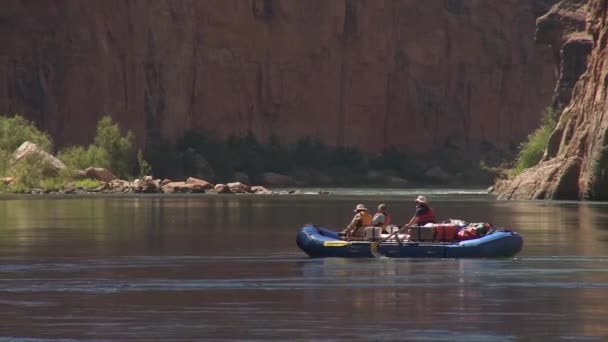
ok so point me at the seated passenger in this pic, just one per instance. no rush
(361, 220)
(424, 213)
(381, 218)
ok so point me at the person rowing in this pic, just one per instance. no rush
(424, 213)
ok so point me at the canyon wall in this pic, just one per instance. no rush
(575, 165)
(413, 74)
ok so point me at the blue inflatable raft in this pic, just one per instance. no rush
(320, 242)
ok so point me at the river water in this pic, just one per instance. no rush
(223, 268)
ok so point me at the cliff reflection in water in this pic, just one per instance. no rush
(189, 267)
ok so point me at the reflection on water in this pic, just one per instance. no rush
(226, 267)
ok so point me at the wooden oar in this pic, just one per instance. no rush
(374, 245)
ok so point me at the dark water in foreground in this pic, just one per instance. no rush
(218, 268)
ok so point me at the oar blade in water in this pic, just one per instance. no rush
(374, 249)
(335, 243)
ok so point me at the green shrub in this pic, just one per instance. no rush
(87, 184)
(119, 149)
(53, 184)
(110, 150)
(18, 188)
(14, 131)
(531, 151)
(78, 157)
(144, 167)
(5, 157)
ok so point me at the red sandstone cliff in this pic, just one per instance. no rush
(576, 165)
(371, 73)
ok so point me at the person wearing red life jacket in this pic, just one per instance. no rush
(424, 213)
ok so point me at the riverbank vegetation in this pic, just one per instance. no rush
(307, 162)
(532, 150)
(13, 132)
(203, 155)
(109, 149)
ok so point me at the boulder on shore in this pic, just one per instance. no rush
(118, 185)
(183, 187)
(556, 179)
(260, 190)
(239, 188)
(220, 189)
(146, 185)
(30, 149)
(7, 180)
(97, 173)
(202, 184)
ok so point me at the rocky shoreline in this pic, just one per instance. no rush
(108, 184)
(100, 180)
(59, 179)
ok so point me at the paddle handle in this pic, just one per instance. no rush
(395, 233)
(374, 245)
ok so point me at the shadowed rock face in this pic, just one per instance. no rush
(580, 167)
(369, 73)
(563, 28)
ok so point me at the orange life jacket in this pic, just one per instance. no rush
(366, 219)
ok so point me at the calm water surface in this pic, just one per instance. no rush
(219, 268)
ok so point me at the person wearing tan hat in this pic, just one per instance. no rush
(424, 213)
(361, 220)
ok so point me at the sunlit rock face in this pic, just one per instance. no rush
(413, 74)
(579, 168)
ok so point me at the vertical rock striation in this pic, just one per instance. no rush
(413, 74)
(578, 166)
(563, 28)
